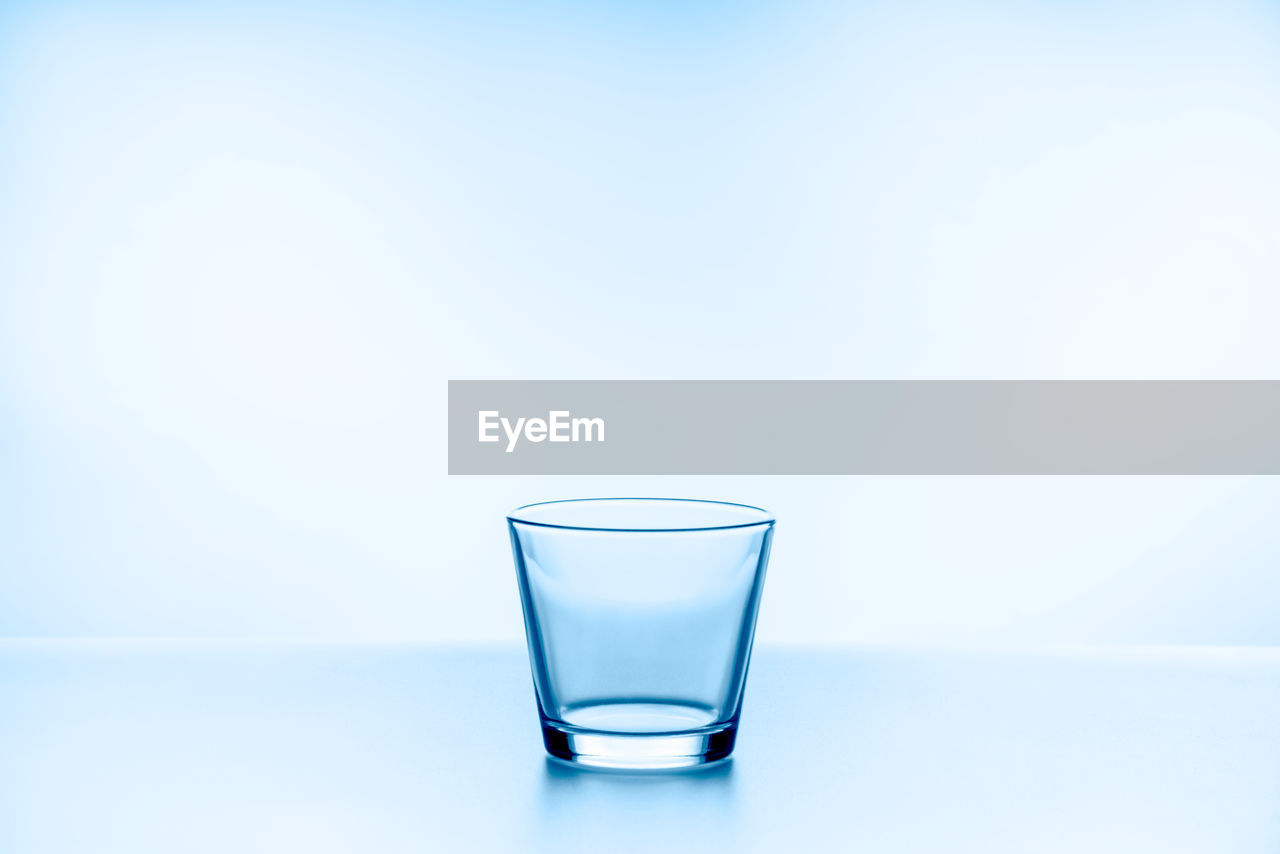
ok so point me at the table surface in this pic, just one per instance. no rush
(124, 746)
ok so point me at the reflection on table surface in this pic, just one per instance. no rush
(123, 746)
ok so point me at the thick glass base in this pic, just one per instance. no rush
(638, 751)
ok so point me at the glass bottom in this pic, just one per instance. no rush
(638, 736)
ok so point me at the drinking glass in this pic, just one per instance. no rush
(640, 614)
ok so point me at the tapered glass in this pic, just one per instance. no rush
(640, 613)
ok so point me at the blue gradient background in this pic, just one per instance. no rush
(243, 247)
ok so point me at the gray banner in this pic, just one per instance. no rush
(864, 427)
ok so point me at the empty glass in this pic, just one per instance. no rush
(640, 614)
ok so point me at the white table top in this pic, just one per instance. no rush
(159, 746)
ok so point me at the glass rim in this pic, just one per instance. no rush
(767, 520)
